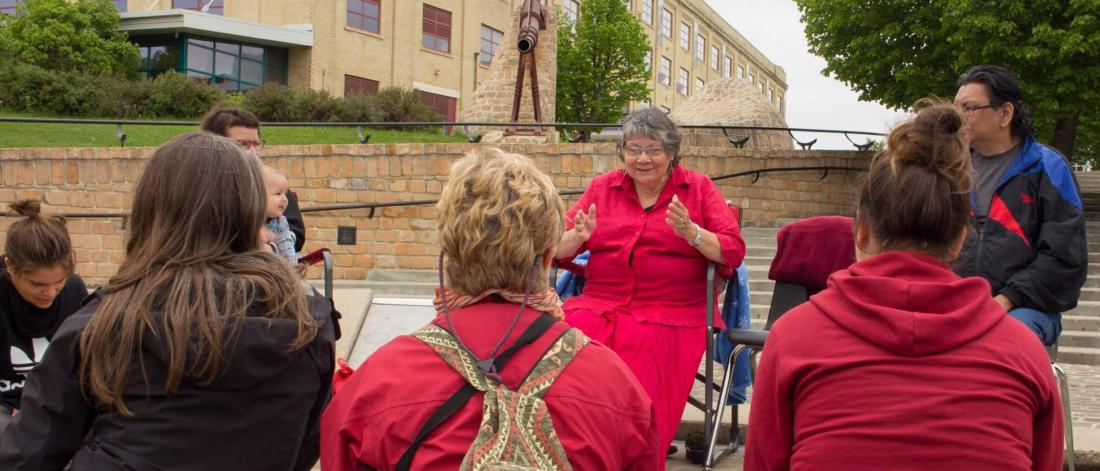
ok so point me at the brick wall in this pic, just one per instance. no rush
(101, 179)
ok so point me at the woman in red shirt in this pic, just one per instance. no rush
(659, 224)
(499, 219)
(901, 364)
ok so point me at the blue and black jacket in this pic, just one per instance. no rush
(1032, 246)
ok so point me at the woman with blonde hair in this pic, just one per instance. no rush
(499, 220)
(202, 352)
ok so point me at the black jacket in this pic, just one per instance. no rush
(293, 216)
(1032, 248)
(262, 413)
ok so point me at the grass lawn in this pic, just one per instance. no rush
(103, 135)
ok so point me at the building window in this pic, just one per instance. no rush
(359, 86)
(752, 78)
(740, 71)
(699, 84)
(700, 48)
(649, 61)
(572, 9)
(120, 5)
(665, 74)
(666, 23)
(647, 12)
(437, 29)
(714, 57)
(365, 15)
(444, 105)
(682, 82)
(685, 36)
(761, 87)
(8, 7)
(233, 66)
(779, 105)
(490, 44)
(213, 7)
(770, 94)
(158, 55)
(726, 66)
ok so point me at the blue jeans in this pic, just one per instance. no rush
(1047, 326)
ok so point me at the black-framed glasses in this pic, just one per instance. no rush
(969, 109)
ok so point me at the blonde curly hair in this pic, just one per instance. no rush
(496, 214)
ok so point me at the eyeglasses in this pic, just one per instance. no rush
(650, 151)
(249, 144)
(970, 109)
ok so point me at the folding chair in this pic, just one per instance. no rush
(807, 252)
(1069, 460)
(321, 255)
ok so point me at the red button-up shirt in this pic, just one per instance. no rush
(638, 264)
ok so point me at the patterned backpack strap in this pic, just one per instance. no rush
(516, 431)
(448, 348)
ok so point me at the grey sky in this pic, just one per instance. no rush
(813, 100)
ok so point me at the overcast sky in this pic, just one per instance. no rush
(813, 100)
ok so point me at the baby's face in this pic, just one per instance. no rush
(276, 186)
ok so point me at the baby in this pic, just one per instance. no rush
(277, 231)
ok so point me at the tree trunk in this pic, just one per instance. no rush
(1065, 134)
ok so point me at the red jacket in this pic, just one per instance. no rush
(900, 364)
(638, 264)
(603, 417)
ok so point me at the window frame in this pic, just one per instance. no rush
(647, 12)
(364, 16)
(700, 47)
(685, 36)
(494, 46)
(666, 23)
(666, 69)
(436, 25)
(683, 81)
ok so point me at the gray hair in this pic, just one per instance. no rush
(654, 124)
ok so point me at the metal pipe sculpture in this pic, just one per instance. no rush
(532, 19)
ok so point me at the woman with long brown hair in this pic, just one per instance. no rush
(202, 352)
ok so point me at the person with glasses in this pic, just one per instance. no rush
(651, 229)
(1029, 237)
(243, 127)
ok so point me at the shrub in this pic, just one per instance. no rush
(173, 94)
(359, 109)
(398, 104)
(317, 106)
(271, 102)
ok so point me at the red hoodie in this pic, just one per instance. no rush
(901, 364)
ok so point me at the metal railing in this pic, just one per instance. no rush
(372, 207)
(736, 141)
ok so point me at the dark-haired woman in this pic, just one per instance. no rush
(202, 352)
(901, 364)
(38, 290)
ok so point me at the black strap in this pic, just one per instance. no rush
(463, 395)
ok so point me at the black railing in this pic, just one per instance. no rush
(738, 142)
(372, 207)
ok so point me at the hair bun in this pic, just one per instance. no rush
(27, 208)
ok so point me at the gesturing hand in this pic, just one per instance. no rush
(680, 220)
(585, 223)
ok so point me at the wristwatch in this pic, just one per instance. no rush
(698, 236)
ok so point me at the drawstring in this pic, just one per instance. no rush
(488, 366)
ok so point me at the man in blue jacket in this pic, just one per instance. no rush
(1029, 237)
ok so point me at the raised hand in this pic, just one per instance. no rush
(585, 223)
(680, 220)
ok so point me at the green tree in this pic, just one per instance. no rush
(897, 51)
(601, 63)
(66, 35)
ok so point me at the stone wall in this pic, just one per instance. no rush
(100, 180)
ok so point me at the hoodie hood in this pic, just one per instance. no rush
(259, 351)
(909, 303)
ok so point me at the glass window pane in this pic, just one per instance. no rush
(370, 24)
(226, 65)
(252, 52)
(232, 48)
(355, 6)
(252, 72)
(275, 74)
(202, 42)
(228, 86)
(371, 10)
(200, 59)
(276, 55)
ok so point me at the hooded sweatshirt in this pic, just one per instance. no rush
(260, 413)
(901, 364)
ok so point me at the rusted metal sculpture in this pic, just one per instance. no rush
(532, 19)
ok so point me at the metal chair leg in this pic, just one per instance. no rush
(1070, 460)
(723, 397)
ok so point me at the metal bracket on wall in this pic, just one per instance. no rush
(738, 143)
(755, 177)
(363, 139)
(370, 214)
(860, 147)
(824, 173)
(805, 145)
(121, 136)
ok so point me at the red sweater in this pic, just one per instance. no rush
(603, 417)
(900, 364)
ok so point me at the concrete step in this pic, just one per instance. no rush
(1079, 356)
(1080, 323)
(416, 276)
(1079, 339)
(759, 232)
(761, 252)
(1090, 297)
